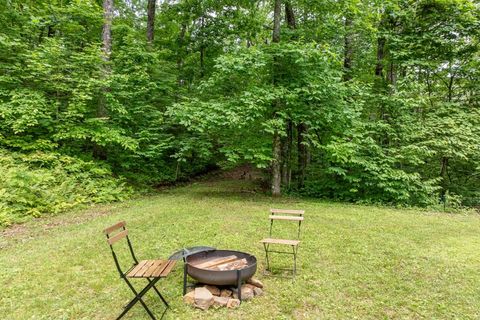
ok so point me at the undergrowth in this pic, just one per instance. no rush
(49, 183)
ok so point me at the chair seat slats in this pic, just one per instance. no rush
(159, 269)
(144, 269)
(137, 267)
(166, 271)
(152, 269)
(287, 218)
(281, 241)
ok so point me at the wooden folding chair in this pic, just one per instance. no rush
(287, 215)
(151, 270)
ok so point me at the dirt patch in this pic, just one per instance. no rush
(244, 172)
(14, 230)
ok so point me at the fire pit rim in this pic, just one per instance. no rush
(249, 265)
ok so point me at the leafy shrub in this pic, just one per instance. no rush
(48, 183)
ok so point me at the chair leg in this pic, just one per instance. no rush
(239, 285)
(295, 250)
(184, 278)
(138, 297)
(265, 246)
(294, 261)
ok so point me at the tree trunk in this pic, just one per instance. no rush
(276, 142)
(181, 51)
(98, 151)
(302, 151)
(287, 155)
(392, 74)
(302, 154)
(150, 20)
(202, 61)
(276, 21)
(443, 176)
(380, 57)
(276, 164)
(288, 141)
(106, 49)
(290, 16)
(450, 86)
(202, 50)
(348, 48)
(379, 82)
(107, 29)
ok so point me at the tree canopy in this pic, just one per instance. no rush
(363, 101)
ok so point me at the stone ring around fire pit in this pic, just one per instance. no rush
(220, 267)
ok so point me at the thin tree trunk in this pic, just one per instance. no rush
(380, 57)
(302, 154)
(151, 20)
(106, 50)
(181, 40)
(284, 161)
(107, 29)
(276, 164)
(348, 48)
(450, 87)
(379, 83)
(381, 48)
(202, 51)
(276, 21)
(302, 151)
(290, 148)
(276, 142)
(392, 74)
(287, 155)
(443, 176)
(99, 151)
(290, 16)
(202, 61)
(288, 141)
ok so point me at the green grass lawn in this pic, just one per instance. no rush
(355, 262)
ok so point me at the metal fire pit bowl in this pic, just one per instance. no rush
(217, 277)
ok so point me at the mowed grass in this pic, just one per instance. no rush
(355, 262)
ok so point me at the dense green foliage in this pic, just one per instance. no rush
(373, 101)
(41, 183)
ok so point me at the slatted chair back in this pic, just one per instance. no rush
(114, 234)
(286, 215)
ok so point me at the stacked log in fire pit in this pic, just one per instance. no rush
(231, 262)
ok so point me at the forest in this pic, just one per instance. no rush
(372, 102)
